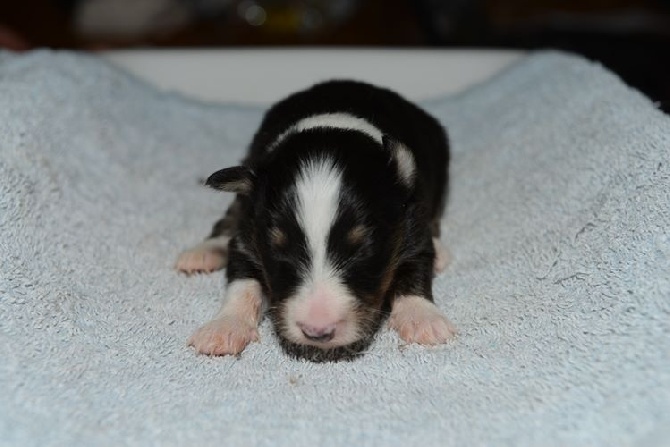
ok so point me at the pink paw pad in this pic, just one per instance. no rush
(418, 320)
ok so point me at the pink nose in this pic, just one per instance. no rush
(318, 333)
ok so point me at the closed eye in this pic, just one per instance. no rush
(355, 245)
(287, 245)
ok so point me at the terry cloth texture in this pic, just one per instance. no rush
(558, 226)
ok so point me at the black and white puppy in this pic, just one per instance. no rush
(335, 224)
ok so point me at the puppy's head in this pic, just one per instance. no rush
(329, 217)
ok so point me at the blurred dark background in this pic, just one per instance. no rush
(631, 37)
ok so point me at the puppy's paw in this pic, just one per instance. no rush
(227, 335)
(441, 256)
(203, 258)
(418, 320)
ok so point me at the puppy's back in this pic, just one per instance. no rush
(384, 109)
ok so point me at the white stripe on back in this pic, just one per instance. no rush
(334, 121)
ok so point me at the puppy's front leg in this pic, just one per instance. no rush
(414, 315)
(236, 323)
(212, 254)
(441, 256)
(206, 257)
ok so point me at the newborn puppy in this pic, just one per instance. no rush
(335, 223)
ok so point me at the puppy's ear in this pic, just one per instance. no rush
(403, 159)
(238, 179)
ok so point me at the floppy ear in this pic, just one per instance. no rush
(403, 158)
(238, 179)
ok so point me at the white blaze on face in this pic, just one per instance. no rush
(321, 300)
(318, 191)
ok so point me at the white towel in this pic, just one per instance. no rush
(558, 226)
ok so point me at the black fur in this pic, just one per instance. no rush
(395, 257)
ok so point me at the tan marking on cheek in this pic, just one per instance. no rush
(277, 237)
(357, 235)
(389, 274)
(387, 279)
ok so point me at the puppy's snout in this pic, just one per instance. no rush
(318, 333)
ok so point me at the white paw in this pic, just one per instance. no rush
(203, 258)
(227, 335)
(417, 320)
(441, 256)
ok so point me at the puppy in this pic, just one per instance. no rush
(335, 225)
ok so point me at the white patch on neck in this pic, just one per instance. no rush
(331, 120)
(318, 191)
